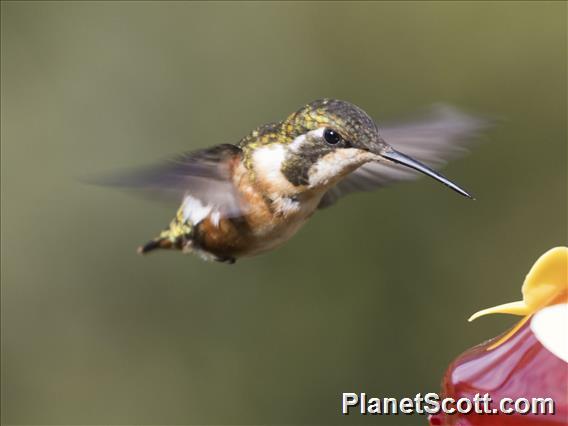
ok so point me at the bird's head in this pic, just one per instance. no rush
(327, 139)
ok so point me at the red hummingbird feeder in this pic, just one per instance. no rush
(526, 365)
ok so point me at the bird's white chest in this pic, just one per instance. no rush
(289, 215)
(271, 237)
(290, 206)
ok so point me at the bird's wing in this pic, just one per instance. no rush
(205, 175)
(439, 136)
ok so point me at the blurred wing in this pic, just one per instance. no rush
(434, 139)
(204, 174)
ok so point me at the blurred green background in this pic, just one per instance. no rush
(371, 296)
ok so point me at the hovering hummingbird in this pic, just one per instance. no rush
(244, 199)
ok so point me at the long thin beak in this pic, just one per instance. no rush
(405, 160)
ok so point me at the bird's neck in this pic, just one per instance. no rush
(264, 187)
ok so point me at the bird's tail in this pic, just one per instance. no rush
(156, 243)
(177, 236)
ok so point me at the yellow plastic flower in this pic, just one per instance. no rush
(546, 284)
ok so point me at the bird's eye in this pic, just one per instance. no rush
(331, 137)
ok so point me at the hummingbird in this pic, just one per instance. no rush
(243, 199)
